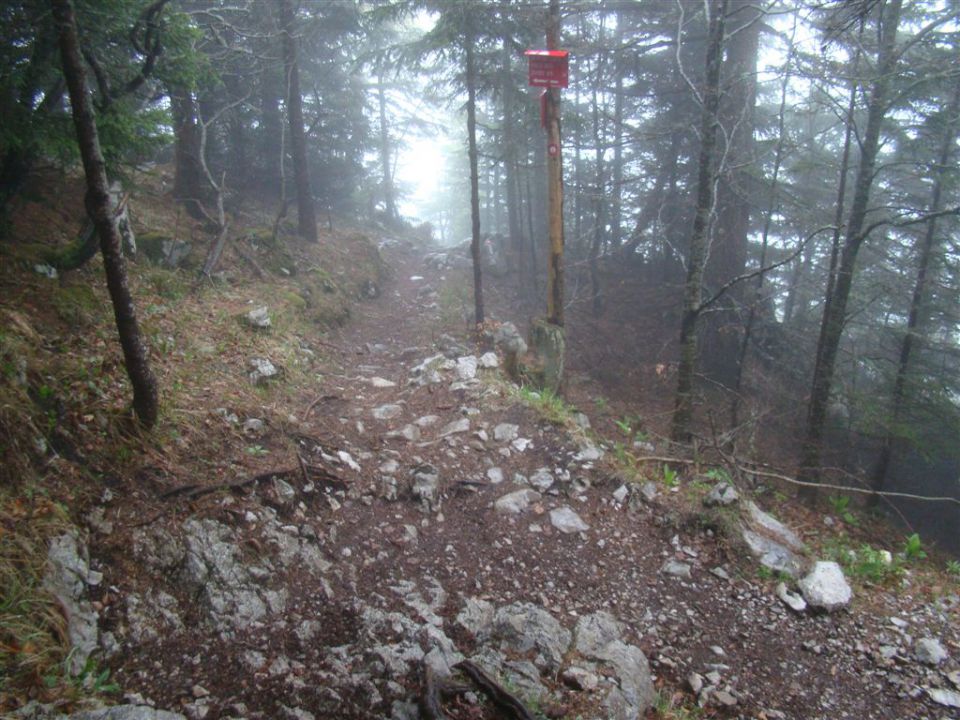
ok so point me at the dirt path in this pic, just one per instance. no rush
(319, 593)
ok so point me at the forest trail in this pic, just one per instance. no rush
(436, 513)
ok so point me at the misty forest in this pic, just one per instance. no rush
(478, 359)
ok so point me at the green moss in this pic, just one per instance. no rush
(78, 304)
(295, 301)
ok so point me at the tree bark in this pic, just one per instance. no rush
(510, 170)
(555, 289)
(306, 212)
(617, 172)
(188, 185)
(683, 407)
(474, 180)
(728, 250)
(599, 198)
(835, 314)
(390, 204)
(144, 383)
(271, 127)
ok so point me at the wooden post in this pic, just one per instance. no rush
(554, 182)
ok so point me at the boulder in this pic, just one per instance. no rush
(929, 651)
(66, 578)
(773, 543)
(387, 412)
(426, 486)
(505, 432)
(721, 494)
(467, 367)
(516, 502)
(261, 370)
(594, 632)
(567, 521)
(259, 318)
(825, 587)
(791, 599)
(525, 627)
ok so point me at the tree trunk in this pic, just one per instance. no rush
(188, 184)
(98, 207)
(617, 173)
(699, 240)
(927, 248)
(555, 289)
(728, 251)
(841, 202)
(835, 314)
(511, 177)
(474, 183)
(271, 127)
(389, 202)
(306, 213)
(599, 199)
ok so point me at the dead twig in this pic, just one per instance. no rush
(507, 703)
(194, 491)
(753, 470)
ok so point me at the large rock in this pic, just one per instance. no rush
(66, 578)
(722, 494)
(825, 587)
(516, 502)
(594, 632)
(772, 554)
(259, 318)
(387, 412)
(467, 367)
(126, 712)
(455, 427)
(634, 693)
(163, 250)
(524, 627)
(599, 637)
(505, 432)
(225, 587)
(426, 486)
(771, 527)
(548, 345)
(476, 617)
(567, 521)
(773, 543)
(261, 370)
(929, 651)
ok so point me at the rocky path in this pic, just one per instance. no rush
(436, 517)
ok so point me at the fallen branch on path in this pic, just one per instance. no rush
(307, 471)
(193, 491)
(507, 703)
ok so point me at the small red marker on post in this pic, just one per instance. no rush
(548, 68)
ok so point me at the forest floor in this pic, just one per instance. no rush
(305, 545)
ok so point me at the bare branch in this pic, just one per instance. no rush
(763, 270)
